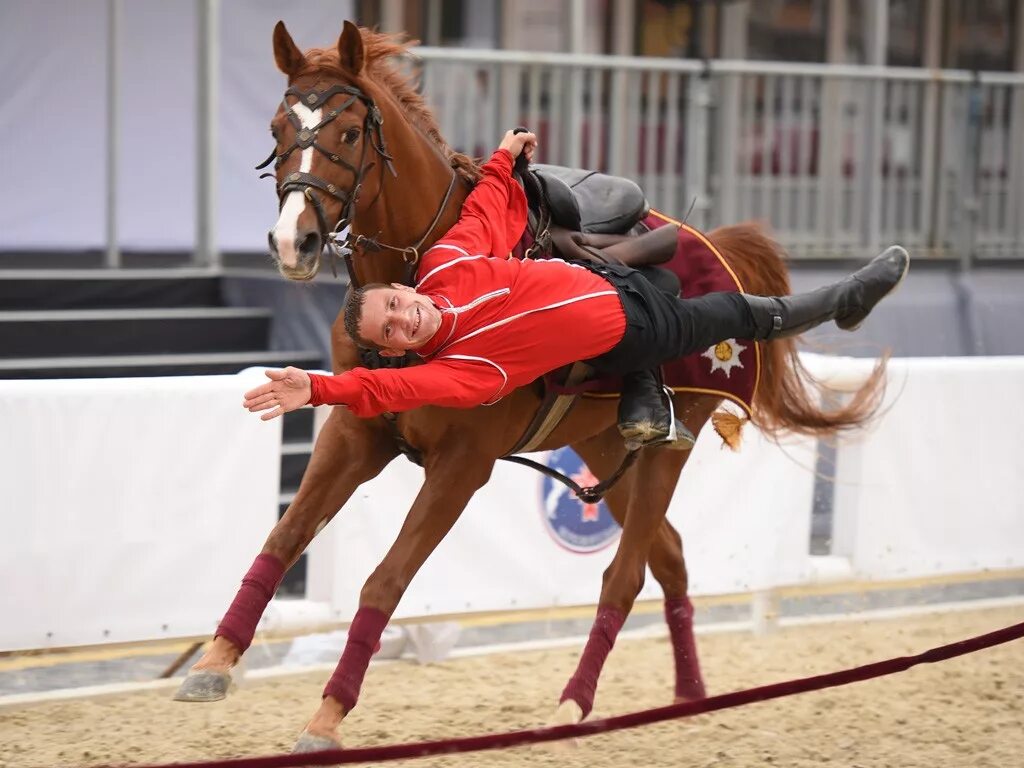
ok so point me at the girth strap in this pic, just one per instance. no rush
(557, 402)
(553, 408)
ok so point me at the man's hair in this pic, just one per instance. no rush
(354, 301)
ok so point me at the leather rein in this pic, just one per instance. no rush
(313, 187)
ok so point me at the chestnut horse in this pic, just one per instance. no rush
(334, 166)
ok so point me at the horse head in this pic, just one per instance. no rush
(333, 166)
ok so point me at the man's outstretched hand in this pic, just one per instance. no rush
(287, 390)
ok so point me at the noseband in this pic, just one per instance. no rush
(310, 185)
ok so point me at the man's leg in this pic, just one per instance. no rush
(719, 316)
(645, 416)
(848, 302)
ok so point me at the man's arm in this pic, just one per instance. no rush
(493, 217)
(450, 383)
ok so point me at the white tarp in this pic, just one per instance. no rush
(53, 111)
(129, 508)
(521, 543)
(936, 486)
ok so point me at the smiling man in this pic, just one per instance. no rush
(486, 323)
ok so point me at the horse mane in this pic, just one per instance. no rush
(380, 50)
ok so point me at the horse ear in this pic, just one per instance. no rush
(286, 53)
(350, 48)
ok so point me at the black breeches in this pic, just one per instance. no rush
(661, 327)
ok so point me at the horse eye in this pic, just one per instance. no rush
(350, 136)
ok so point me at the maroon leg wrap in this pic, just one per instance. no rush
(583, 685)
(363, 640)
(258, 587)
(679, 616)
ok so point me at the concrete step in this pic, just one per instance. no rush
(38, 289)
(294, 459)
(298, 425)
(88, 332)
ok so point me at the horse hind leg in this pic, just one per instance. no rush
(645, 501)
(669, 569)
(668, 566)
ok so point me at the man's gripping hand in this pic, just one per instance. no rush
(519, 142)
(287, 390)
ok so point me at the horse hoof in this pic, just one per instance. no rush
(568, 713)
(204, 685)
(307, 742)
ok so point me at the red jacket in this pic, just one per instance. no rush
(504, 322)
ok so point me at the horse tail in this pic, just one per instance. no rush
(789, 398)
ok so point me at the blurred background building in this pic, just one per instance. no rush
(153, 112)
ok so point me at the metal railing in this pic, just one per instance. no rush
(839, 160)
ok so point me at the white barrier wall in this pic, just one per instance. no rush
(524, 542)
(132, 507)
(129, 508)
(937, 485)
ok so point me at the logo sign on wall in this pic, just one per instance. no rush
(574, 525)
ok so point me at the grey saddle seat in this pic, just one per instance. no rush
(589, 201)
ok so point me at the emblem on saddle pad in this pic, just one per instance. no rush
(724, 356)
(574, 525)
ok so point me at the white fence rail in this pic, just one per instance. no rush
(837, 159)
(132, 507)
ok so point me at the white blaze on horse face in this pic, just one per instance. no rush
(288, 220)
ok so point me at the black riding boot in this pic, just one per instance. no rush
(847, 302)
(644, 418)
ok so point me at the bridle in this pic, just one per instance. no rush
(313, 187)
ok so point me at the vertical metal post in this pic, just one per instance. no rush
(572, 106)
(623, 25)
(698, 108)
(972, 168)
(1016, 188)
(392, 16)
(830, 125)
(577, 26)
(877, 43)
(115, 11)
(728, 154)
(932, 135)
(208, 73)
(726, 136)
(432, 23)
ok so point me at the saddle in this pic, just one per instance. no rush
(585, 201)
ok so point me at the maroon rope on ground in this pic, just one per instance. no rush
(619, 722)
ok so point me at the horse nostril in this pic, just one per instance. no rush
(310, 245)
(272, 243)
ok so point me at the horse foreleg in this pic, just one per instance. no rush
(653, 482)
(451, 480)
(347, 454)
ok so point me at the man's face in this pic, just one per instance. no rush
(398, 319)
